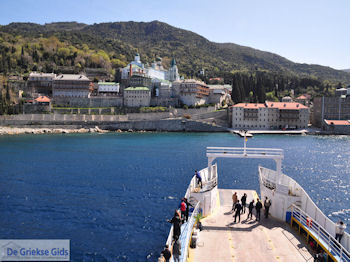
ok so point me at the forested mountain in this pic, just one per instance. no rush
(346, 70)
(76, 46)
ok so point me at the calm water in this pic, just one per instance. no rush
(110, 194)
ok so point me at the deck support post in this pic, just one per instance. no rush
(210, 166)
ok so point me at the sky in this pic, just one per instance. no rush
(304, 31)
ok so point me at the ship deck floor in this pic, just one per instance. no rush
(249, 240)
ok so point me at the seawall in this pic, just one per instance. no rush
(147, 121)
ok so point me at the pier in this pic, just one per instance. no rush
(249, 240)
(250, 133)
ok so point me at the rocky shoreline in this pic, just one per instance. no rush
(34, 130)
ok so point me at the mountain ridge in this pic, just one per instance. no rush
(192, 51)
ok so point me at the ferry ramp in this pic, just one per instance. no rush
(249, 240)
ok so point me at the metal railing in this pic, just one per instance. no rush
(187, 232)
(321, 235)
(239, 151)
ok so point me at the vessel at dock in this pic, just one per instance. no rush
(294, 219)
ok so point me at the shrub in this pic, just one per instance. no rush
(187, 116)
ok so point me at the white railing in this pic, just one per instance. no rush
(241, 151)
(193, 184)
(271, 180)
(209, 180)
(293, 189)
(320, 234)
(186, 234)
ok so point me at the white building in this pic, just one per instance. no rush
(71, 86)
(191, 92)
(219, 94)
(137, 97)
(270, 115)
(34, 76)
(162, 88)
(108, 88)
(156, 70)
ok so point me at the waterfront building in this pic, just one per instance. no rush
(331, 108)
(137, 97)
(108, 88)
(40, 83)
(67, 85)
(339, 127)
(270, 115)
(191, 92)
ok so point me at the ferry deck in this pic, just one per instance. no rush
(249, 240)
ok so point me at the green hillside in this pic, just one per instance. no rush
(75, 46)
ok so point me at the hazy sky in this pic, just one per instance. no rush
(305, 31)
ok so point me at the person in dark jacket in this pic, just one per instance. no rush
(199, 179)
(166, 253)
(250, 208)
(258, 207)
(238, 208)
(243, 201)
(187, 208)
(177, 250)
(176, 221)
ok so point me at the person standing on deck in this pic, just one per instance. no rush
(199, 178)
(339, 230)
(177, 250)
(243, 201)
(250, 208)
(176, 221)
(267, 204)
(166, 253)
(183, 208)
(258, 207)
(238, 209)
(234, 200)
(187, 208)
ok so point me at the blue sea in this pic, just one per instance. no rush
(111, 194)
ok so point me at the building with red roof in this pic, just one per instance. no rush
(339, 127)
(43, 100)
(270, 115)
(303, 99)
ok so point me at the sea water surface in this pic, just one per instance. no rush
(111, 194)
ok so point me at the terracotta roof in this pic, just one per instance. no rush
(338, 122)
(43, 99)
(249, 105)
(302, 97)
(285, 105)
